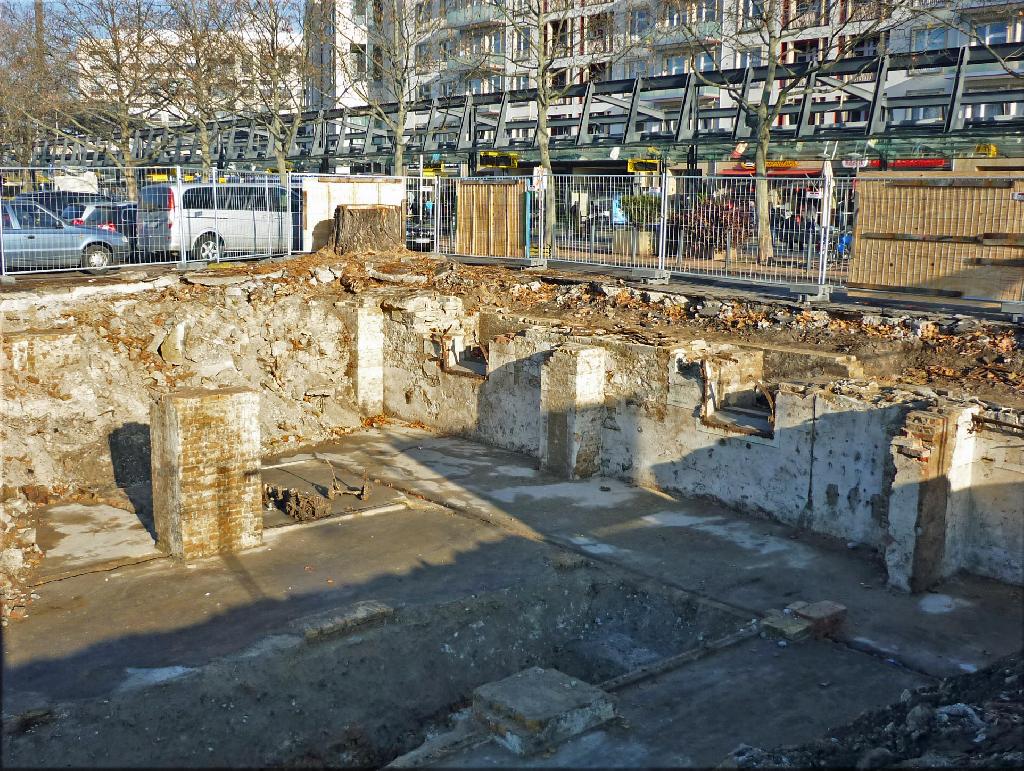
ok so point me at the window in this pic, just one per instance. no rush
(992, 33)
(198, 198)
(357, 55)
(278, 199)
(928, 39)
(868, 46)
(749, 58)
(705, 62)
(522, 44)
(423, 91)
(32, 217)
(639, 22)
(675, 65)
(520, 82)
(636, 68)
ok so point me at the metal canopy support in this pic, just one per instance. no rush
(954, 112)
(876, 113)
(740, 128)
(319, 146)
(500, 134)
(583, 131)
(687, 127)
(804, 126)
(467, 127)
(631, 134)
(430, 137)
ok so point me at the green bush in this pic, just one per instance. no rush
(643, 209)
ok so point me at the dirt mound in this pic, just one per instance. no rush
(969, 721)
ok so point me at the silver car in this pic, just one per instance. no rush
(34, 238)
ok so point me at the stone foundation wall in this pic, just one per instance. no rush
(837, 457)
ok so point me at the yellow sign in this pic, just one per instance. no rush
(988, 150)
(158, 177)
(643, 166)
(491, 159)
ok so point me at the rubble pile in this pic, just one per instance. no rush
(973, 720)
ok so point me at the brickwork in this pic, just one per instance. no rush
(206, 471)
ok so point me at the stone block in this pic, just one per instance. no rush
(825, 616)
(786, 626)
(537, 709)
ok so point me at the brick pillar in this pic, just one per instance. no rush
(366, 325)
(572, 409)
(206, 471)
(919, 502)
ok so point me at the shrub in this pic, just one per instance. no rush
(643, 209)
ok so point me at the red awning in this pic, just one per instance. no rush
(792, 173)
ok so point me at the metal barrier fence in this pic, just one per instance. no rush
(62, 220)
(954, 236)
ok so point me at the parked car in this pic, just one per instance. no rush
(58, 200)
(34, 237)
(205, 221)
(120, 218)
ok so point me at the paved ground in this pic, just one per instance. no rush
(92, 636)
(696, 545)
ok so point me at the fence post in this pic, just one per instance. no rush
(3, 258)
(180, 204)
(663, 226)
(435, 210)
(827, 196)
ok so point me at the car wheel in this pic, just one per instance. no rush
(207, 249)
(96, 257)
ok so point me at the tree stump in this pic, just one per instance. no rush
(368, 228)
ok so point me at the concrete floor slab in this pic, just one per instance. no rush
(87, 631)
(748, 562)
(77, 538)
(753, 693)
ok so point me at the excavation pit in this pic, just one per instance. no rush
(378, 687)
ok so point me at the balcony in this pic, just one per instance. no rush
(474, 16)
(701, 32)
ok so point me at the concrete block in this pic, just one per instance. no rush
(825, 616)
(345, 621)
(537, 709)
(784, 626)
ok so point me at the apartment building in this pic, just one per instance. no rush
(466, 46)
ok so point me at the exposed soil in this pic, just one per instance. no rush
(973, 720)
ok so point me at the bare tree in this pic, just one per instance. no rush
(798, 42)
(114, 73)
(28, 92)
(200, 47)
(273, 53)
(382, 52)
(556, 44)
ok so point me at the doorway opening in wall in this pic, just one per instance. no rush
(735, 403)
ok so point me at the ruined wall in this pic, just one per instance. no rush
(993, 541)
(79, 378)
(834, 457)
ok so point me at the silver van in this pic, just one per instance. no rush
(205, 221)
